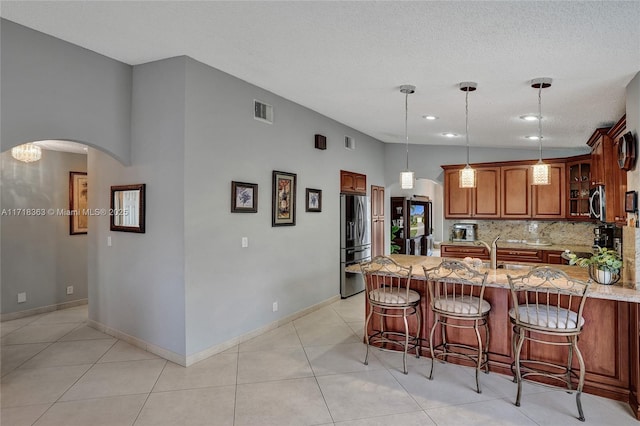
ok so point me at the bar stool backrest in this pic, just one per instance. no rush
(386, 282)
(551, 299)
(453, 283)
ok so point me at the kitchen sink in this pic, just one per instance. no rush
(509, 266)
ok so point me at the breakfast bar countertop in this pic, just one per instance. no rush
(624, 292)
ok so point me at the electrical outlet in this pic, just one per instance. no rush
(275, 306)
(22, 297)
(70, 289)
(245, 242)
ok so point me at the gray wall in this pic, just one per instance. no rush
(52, 89)
(39, 256)
(425, 160)
(137, 285)
(230, 290)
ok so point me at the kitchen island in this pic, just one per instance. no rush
(610, 340)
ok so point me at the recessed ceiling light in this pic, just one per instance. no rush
(533, 138)
(529, 117)
(430, 117)
(450, 135)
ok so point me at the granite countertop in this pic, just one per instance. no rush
(512, 244)
(624, 292)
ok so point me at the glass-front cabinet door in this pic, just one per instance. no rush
(579, 175)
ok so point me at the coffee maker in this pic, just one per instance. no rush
(609, 236)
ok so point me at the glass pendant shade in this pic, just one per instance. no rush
(27, 152)
(541, 174)
(541, 171)
(467, 177)
(406, 179)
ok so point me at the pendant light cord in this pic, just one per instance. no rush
(406, 133)
(466, 114)
(540, 119)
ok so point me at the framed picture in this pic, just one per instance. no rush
(284, 199)
(630, 201)
(244, 197)
(128, 208)
(78, 203)
(313, 200)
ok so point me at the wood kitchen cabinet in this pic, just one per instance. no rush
(616, 177)
(522, 200)
(353, 183)
(598, 142)
(483, 201)
(578, 184)
(377, 220)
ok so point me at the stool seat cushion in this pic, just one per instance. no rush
(467, 305)
(396, 296)
(553, 318)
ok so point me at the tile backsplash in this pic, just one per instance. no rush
(556, 232)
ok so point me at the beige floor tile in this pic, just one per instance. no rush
(208, 406)
(318, 334)
(275, 364)
(38, 386)
(22, 416)
(281, 337)
(84, 332)
(23, 321)
(218, 370)
(499, 412)
(281, 403)
(116, 378)
(6, 329)
(123, 351)
(342, 358)
(231, 350)
(503, 384)
(358, 329)
(114, 411)
(366, 394)
(450, 386)
(70, 353)
(325, 315)
(416, 418)
(350, 310)
(392, 360)
(559, 408)
(13, 356)
(37, 333)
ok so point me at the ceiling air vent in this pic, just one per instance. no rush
(349, 143)
(262, 112)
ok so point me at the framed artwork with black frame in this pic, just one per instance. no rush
(283, 209)
(631, 201)
(244, 197)
(313, 200)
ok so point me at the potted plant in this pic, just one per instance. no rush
(604, 265)
(395, 248)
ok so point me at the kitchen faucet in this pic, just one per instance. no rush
(492, 251)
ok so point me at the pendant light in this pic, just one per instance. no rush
(407, 177)
(467, 175)
(541, 170)
(27, 152)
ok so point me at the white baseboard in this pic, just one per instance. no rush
(199, 356)
(42, 310)
(157, 350)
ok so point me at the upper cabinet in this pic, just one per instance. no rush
(578, 183)
(599, 143)
(504, 191)
(353, 183)
(483, 201)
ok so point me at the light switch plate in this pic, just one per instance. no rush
(245, 242)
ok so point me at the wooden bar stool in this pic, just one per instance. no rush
(549, 304)
(387, 287)
(451, 291)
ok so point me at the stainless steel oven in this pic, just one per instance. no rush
(597, 203)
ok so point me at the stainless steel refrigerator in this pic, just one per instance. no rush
(355, 240)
